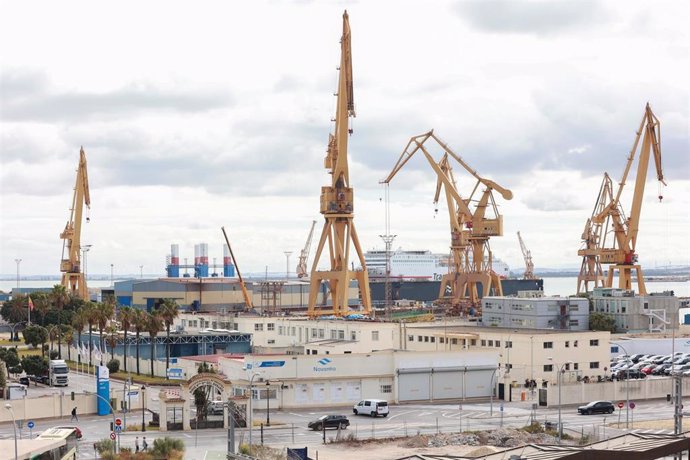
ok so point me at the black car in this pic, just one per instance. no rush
(596, 407)
(329, 421)
(24, 380)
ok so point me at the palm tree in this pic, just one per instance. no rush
(104, 313)
(126, 315)
(41, 305)
(168, 310)
(89, 311)
(154, 324)
(59, 296)
(112, 340)
(79, 323)
(139, 321)
(68, 333)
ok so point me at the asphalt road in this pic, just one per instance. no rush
(290, 427)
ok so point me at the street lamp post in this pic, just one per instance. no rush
(18, 261)
(112, 266)
(8, 406)
(84, 250)
(251, 411)
(268, 399)
(287, 265)
(141, 272)
(558, 379)
(627, 387)
(143, 407)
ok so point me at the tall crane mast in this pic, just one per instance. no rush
(470, 230)
(245, 293)
(621, 255)
(72, 277)
(304, 254)
(337, 202)
(527, 255)
(592, 236)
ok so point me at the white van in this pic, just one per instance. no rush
(371, 407)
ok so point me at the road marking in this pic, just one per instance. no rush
(391, 417)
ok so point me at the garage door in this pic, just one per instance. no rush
(413, 385)
(447, 384)
(478, 382)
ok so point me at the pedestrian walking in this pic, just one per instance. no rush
(136, 445)
(144, 445)
(74, 415)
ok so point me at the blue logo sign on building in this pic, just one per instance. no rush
(326, 367)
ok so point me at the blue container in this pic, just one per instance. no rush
(173, 271)
(228, 270)
(687, 319)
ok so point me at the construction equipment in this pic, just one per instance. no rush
(337, 203)
(304, 254)
(620, 253)
(247, 298)
(590, 270)
(471, 261)
(527, 255)
(72, 277)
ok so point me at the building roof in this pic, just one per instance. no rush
(213, 358)
(455, 329)
(631, 446)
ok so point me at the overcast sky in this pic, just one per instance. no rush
(195, 115)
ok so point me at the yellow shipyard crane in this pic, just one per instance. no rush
(245, 293)
(304, 254)
(620, 253)
(72, 277)
(527, 255)
(470, 230)
(337, 204)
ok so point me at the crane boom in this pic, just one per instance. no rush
(245, 292)
(304, 253)
(72, 277)
(471, 263)
(527, 255)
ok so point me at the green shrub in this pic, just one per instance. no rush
(113, 366)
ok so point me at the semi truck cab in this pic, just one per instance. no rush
(58, 372)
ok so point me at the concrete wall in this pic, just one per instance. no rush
(582, 393)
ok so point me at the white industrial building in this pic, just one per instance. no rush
(530, 309)
(653, 312)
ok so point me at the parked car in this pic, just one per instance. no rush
(24, 380)
(596, 407)
(371, 407)
(329, 421)
(631, 374)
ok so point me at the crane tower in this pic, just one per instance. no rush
(527, 255)
(72, 277)
(337, 202)
(304, 254)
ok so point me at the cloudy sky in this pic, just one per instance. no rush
(195, 115)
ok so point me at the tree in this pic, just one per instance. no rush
(41, 305)
(3, 377)
(59, 296)
(168, 311)
(9, 356)
(602, 322)
(171, 448)
(52, 334)
(205, 368)
(104, 313)
(112, 341)
(79, 322)
(154, 324)
(35, 335)
(126, 316)
(201, 402)
(35, 365)
(15, 310)
(140, 321)
(68, 334)
(89, 311)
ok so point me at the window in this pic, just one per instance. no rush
(433, 339)
(215, 325)
(575, 344)
(270, 341)
(491, 343)
(321, 333)
(293, 331)
(314, 333)
(454, 341)
(386, 388)
(473, 342)
(353, 335)
(375, 335)
(567, 366)
(184, 322)
(483, 343)
(440, 339)
(548, 367)
(334, 334)
(410, 338)
(498, 344)
(509, 344)
(567, 343)
(258, 327)
(594, 365)
(548, 344)
(341, 334)
(426, 338)
(594, 343)
(419, 338)
(270, 327)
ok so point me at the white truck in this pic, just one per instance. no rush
(58, 373)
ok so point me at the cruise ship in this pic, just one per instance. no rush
(418, 265)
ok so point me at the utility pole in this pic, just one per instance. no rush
(141, 270)
(287, 265)
(388, 240)
(112, 266)
(18, 261)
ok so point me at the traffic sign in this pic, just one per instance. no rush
(632, 405)
(621, 404)
(112, 436)
(501, 407)
(31, 424)
(118, 428)
(118, 422)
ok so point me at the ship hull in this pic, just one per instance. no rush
(427, 291)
